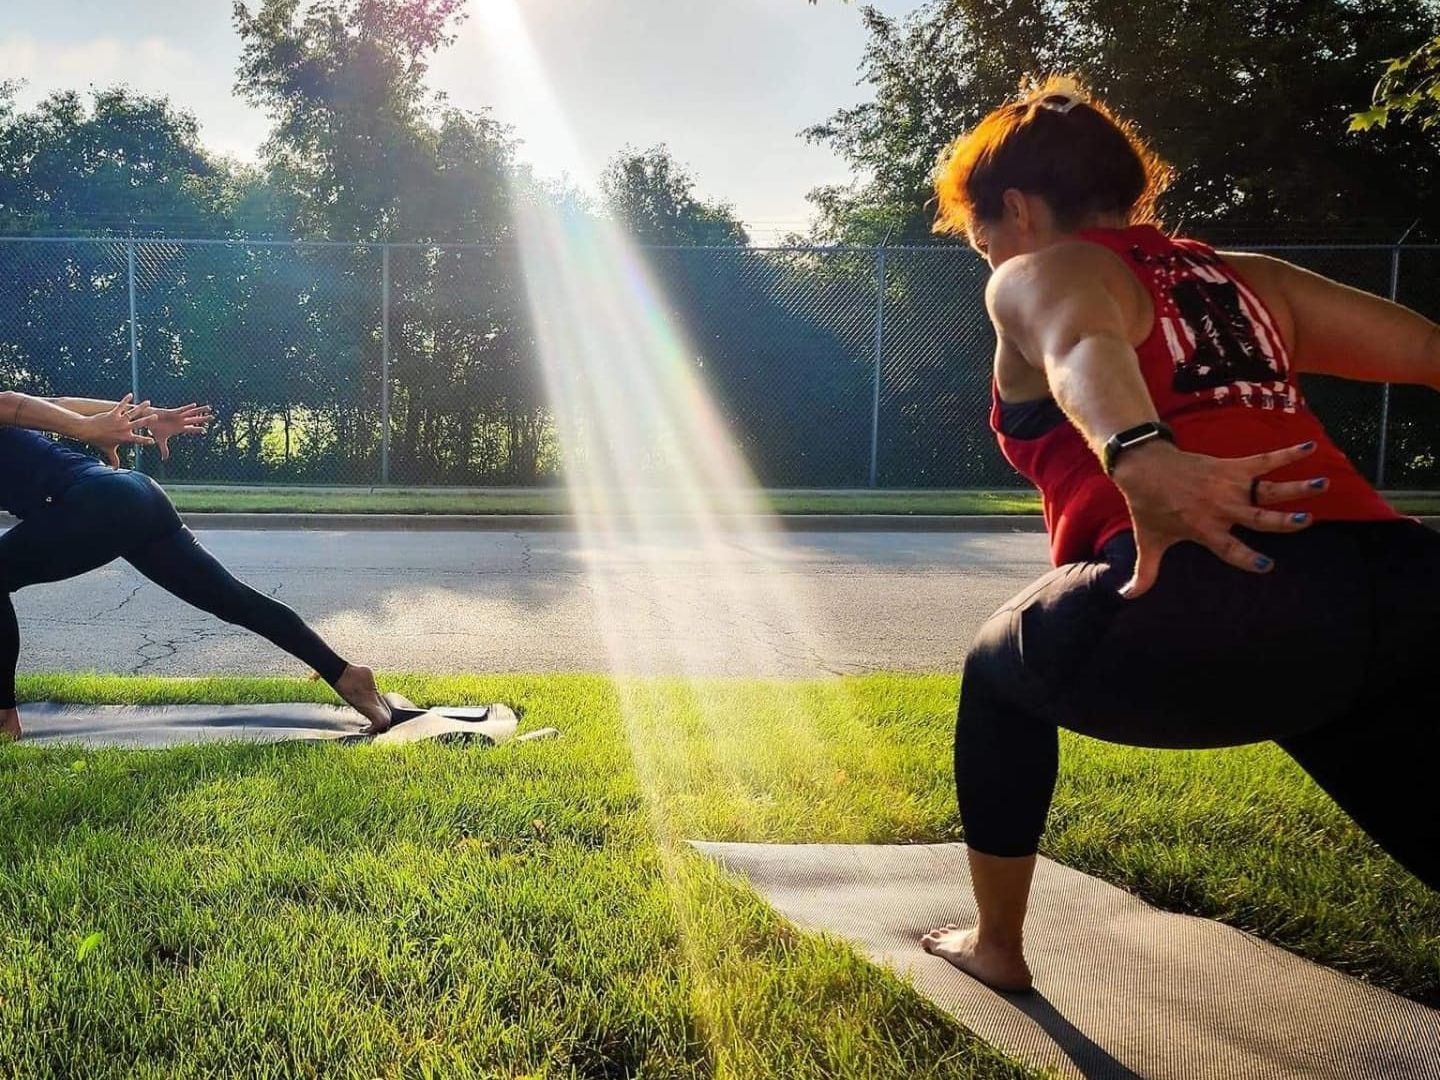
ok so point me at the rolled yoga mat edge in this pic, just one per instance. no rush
(159, 726)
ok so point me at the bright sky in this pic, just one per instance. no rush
(728, 84)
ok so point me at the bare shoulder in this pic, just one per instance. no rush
(1035, 286)
(1057, 269)
(1264, 272)
(1272, 280)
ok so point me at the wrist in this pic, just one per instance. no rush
(1129, 439)
(72, 425)
(1140, 461)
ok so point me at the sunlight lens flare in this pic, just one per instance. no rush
(681, 554)
(686, 568)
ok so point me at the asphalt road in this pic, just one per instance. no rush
(801, 604)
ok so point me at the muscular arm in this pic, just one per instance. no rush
(1069, 311)
(1337, 330)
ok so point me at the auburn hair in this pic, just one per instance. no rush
(1057, 142)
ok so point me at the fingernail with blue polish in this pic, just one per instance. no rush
(1263, 563)
(1318, 484)
(1299, 519)
(1308, 446)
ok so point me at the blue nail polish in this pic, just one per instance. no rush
(1263, 563)
(1299, 519)
(1317, 485)
(1308, 446)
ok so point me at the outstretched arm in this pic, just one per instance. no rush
(192, 419)
(106, 430)
(1337, 330)
(82, 406)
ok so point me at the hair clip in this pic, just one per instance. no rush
(1060, 103)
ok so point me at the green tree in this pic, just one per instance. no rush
(344, 84)
(653, 197)
(115, 162)
(1245, 100)
(363, 150)
(1409, 87)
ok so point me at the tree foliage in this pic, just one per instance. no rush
(110, 161)
(287, 343)
(653, 197)
(1409, 88)
(343, 82)
(1246, 100)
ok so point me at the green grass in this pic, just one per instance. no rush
(322, 911)
(363, 501)
(1420, 505)
(555, 501)
(528, 911)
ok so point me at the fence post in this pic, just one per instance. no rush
(134, 339)
(385, 364)
(1385, 389)
(879, 356)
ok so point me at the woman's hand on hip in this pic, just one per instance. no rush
(109, 430)
(1176, 496)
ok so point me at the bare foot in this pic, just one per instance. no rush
(9, 725)
(357, 687)
(999, 969)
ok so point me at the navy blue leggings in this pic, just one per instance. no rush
(1333, 655)
(123, 514)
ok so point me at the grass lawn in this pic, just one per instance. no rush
(554, 501)
(529, 911)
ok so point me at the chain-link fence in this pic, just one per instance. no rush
(416, 365)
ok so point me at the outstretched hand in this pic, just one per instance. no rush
(1176, 496)
(189, 419)
(110, 430)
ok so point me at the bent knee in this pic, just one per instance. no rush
(993, 660)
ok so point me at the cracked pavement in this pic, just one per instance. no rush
(803, 604)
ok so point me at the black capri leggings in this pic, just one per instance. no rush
(123, 514)
(1334, 655)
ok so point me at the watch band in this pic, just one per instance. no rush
(1117, 444)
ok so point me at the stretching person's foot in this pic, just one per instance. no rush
(996, 967)
(9, 725)
(357, 686)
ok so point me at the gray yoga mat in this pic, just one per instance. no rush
(155, 726)
(1122, 990)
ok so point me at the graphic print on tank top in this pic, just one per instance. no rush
(1218, 334)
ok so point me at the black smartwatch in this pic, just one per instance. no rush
(1131, 438)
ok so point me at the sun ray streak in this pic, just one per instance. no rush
(687, 571)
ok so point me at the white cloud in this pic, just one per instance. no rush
(151, 65)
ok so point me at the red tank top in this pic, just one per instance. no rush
(1219, 375)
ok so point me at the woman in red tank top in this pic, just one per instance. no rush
(1211, 541)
